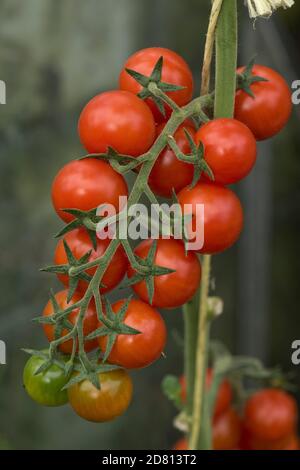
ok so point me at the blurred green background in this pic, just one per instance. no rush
(54, 56)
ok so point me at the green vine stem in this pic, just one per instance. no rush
(226, 61)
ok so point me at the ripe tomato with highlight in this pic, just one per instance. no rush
(116, 119)
(140, 350)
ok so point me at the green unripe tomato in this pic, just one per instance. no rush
(46, 387)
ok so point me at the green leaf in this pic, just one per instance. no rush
(172, 389)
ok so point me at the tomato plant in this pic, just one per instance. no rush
(169, 173)
(223, 214)
(116, 119)
(174, 289)
(229, 149)
(80, 244)
(271, 414)
(174, 71)
(89, 322)
(45, 387)
(140, 350)
(85, 185)
(154, 135)
(268, 110)
(111, 401)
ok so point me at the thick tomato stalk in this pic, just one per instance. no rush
(80, 243)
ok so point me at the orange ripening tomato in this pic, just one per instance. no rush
(175, 71)
(268, 112)
(140, 350)
(226, 430)
(169, 173)
(271, 414)
(80, 243)
(224, 395)
(223, 214)
(229, 149)
(174, 289)
(90, 321)
(86, 184)
(106, 404)
(116, 119)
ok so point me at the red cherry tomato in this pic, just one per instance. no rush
(80, 243)
(268, 112)
(226, 430)
(229, 149)
(140, 350)
(181, 444)
(168, 172)
(224, 395)
(174, 289)
(223, 214)
(116, 119)
(90, 321)
(175, 71)
(289, 442)
(86, 184)
(270, 414)
(106, 404)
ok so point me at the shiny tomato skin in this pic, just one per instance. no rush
(226, 430)
(89, 323)
(106, 404)
(223, 214)
(168, 172)
(270, 414)
(181, 444)
(229, 149)
(174, 289)
(224, 395)
(116, 119)
(86, 184)
(268, 112)
(289, 442)
(137, 351)
(46, 387)
(175, 71)
(80, 243)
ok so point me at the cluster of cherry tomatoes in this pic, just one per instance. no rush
(121, 120)
(266, 421)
